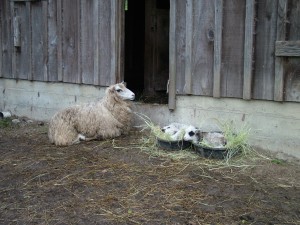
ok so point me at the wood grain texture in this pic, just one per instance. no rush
(287, 48)
(218, 48)
(292, 64)
(248, 48)
(189, 46)
(263, 77)
(233, 49)
(71, 40)
(52, 41)
(6, 50)
(172, 56)
(280, 36)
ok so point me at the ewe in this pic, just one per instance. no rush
(107, 118)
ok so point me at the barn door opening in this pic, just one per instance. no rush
(147, 49)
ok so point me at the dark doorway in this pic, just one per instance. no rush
(147, 49)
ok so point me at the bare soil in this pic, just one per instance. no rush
(116, 182)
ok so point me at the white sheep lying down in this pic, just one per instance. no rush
(107, 118)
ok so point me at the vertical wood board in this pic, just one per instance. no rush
(37, 40)
(263, 77)
(292, 65)
(248, 48)
(180, 37)
(233, 49)
(217, 48)
(280, 36)
(71, 41)
(172, 57)
(52, 41)
(105, 42)
(6, 33)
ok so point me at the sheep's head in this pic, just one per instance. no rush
(120, 91)
(192, 134)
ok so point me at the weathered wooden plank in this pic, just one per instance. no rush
(13, 50)
(189, 47)
(71, 41)
(292, 64)
(6, 50)
(263, 77)
(52, 40)
(79, 50)
(21, 55)
(180, 45)
(45, 39)
(28, 32)
(88, 42)
(202, 47)
(113, 44)
(105, 42)
(248, 48)
(59, 41)
(37, 40)
(172, 56)
(281, 35)
(121, 41)
(218, 48)
(96, 42)
(287, 48)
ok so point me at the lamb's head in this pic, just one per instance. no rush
(119, 91)
(192, 134)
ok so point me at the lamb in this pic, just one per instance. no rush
(214, 139)
(106, 118)
(177, 131)
(192, 134)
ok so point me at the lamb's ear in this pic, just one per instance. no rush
(124, 83)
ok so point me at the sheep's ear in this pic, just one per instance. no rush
(124, 83)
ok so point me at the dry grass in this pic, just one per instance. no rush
(129, 180)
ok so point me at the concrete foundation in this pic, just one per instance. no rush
(275, 126)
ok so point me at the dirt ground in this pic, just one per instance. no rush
(120, 182)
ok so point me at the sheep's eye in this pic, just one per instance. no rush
(119, 90)
(191, 133)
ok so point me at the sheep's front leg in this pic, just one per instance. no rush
(81, 137)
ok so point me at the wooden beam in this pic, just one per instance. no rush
(281, 33)
(248, 48)
(218, 48)
(79, 53)
(287, 48)
(188, 47)
(172, 56)
(113, 43)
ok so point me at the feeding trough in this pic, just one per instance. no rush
(210, 152)
(173, 145)
(212, 145)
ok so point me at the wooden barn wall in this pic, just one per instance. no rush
(226, 48)
(222, 48)
(59, 40)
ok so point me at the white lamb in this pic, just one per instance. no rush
(107, 118)
(192, 134)
(179, 131)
